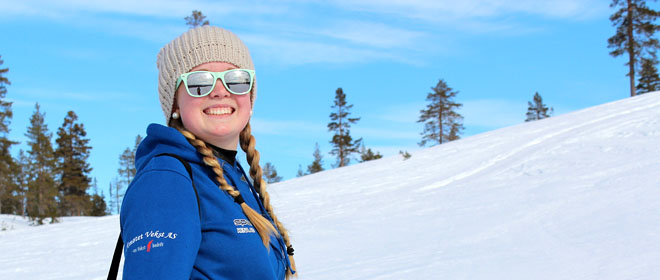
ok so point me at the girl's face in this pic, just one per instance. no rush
(217, 118)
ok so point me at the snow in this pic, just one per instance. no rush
(570, 197)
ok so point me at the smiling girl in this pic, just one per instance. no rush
(215, 223)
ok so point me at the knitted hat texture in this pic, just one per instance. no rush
(194, 47)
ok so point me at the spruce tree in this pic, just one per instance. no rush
(537, 110)
(98, 205)
(41, 164)
(72, 167)
(22, 179)
(648, 76)
(196, 19)
(635, 27)
(98, 208)
(342, 142)
(317, 164)
(441, 121)
(10, 202)
(270, 174)
(368, 154)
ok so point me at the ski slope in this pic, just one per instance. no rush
(575, 196)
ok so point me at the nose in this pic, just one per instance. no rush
(219, 90)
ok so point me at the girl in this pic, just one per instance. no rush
(190, 212)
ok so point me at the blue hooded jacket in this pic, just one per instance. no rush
(166, 234)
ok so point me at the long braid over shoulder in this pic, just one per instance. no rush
(247, 142)
(261, 224)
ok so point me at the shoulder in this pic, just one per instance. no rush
(162, 174)
(164, 165)
(162, 184)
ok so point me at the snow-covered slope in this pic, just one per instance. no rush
(574, 196)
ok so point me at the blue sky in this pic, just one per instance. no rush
(98, 58)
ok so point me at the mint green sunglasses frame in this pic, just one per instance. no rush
(216, 76)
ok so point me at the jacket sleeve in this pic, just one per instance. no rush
(160, 226)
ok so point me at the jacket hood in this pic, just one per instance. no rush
(162, 139)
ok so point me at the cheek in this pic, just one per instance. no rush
(187, 107)
(244, 103)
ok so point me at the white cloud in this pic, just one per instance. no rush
(291, 51)
(373, 34)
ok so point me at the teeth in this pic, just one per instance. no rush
(218, 111)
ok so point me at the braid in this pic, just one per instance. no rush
(247, 144)
(261, 224)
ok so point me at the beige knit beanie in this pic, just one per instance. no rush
(194, 47)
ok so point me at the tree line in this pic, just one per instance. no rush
(46, 181)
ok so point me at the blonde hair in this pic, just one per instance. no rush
(262, 225)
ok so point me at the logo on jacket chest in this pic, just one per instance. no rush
(243, 226)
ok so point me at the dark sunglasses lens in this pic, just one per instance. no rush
(200, 83)
(238, 81)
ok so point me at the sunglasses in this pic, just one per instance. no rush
(201, 83)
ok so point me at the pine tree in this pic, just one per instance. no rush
(317, 164)
(112, 203)
(41, 186)
(126, 174)
(270, 173)
(72, 167)
(635, 27)
(537, 110)
(368, 154)
(9, 190)
(300, 172)
(441, 121)
(116, 195)
(196, 19)
(648, 76)
(342, 142)
(5, 107)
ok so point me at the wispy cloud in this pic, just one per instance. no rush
(287, 127)
(447, 10)
(291, 51)
(55, 94)
(373, 34)
(390, 30)
(480, 16)
(151, 8)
